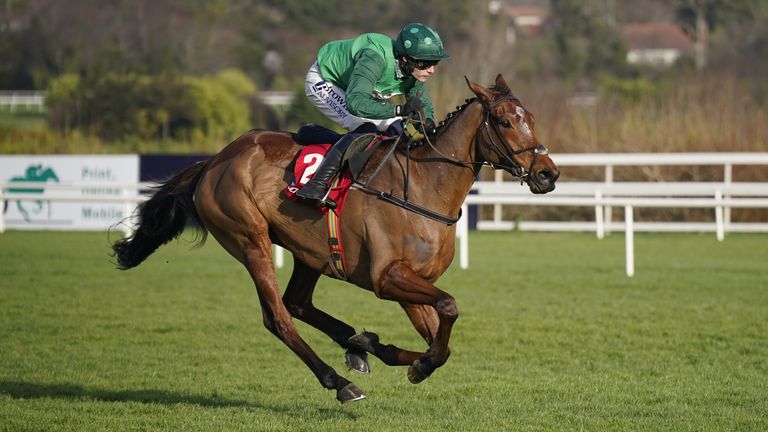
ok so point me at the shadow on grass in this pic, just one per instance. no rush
(24, 390)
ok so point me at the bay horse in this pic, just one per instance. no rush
(398, 254)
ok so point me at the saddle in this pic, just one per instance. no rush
(317, 140)
(357, 154)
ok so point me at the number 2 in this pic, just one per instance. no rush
(313, 162)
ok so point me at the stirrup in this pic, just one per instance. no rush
(323, 201)
(326, 201)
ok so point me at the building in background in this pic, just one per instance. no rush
(655, 44)
(523, 20)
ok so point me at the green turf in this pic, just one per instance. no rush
(23, 118)
(552, 336)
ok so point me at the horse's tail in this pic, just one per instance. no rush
(161, 218)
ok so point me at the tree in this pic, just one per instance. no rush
(701, 17)
(586, 43)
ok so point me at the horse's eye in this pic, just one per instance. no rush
(505, 123)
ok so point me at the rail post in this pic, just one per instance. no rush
(719, 224)
(2, 214)
(629, 239)
(608, 209)
(279, 257)
(599, 221)
(728, 180)
(498, 215)
(462, 232)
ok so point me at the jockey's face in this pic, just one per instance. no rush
(422, 69)
(423, 74)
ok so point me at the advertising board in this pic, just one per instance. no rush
(108, 177)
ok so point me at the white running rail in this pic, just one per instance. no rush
(720, 197)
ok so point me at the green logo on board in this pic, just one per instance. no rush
(37, 174)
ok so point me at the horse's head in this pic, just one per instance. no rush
(506, 139)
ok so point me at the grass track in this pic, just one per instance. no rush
(552, 336)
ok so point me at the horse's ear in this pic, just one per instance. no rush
(501, 85)
(485, 95)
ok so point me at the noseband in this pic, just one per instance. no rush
(504, 152)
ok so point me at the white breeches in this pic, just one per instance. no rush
(330, 99)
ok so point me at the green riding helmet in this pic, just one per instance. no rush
(419, 42)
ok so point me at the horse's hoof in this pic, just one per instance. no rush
(418, 372)
(349, 393)
(357, 362)
(364, 341)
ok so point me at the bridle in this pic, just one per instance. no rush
(488, 129)
(505, 153)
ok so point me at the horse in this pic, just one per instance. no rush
(395, 247)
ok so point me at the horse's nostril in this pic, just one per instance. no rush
(546, 176)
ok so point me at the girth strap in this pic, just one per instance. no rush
(334, 241)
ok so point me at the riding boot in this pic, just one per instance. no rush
(317, 187)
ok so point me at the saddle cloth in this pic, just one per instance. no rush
(307, 162)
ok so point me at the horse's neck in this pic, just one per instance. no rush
(458, 139)
(455, 141)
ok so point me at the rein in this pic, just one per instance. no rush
(404, 203)
(483, 130)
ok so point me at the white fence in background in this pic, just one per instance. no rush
(610, 161)
(132, 194)
(717, 203)
(12, 100)
(720, 197)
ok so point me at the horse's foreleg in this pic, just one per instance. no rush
(258, 261)
(424, 319)
(298, 300)
(400, 283)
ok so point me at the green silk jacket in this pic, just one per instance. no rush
(366, 68)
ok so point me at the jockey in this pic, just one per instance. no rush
(371, 79)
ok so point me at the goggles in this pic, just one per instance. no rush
(424, 64)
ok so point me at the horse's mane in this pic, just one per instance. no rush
(453, 114)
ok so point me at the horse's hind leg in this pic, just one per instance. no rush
(257, 258)
(425, 320)
(298, 300)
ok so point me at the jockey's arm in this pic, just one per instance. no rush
(369, 67)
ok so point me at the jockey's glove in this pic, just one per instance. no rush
(411, 106)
